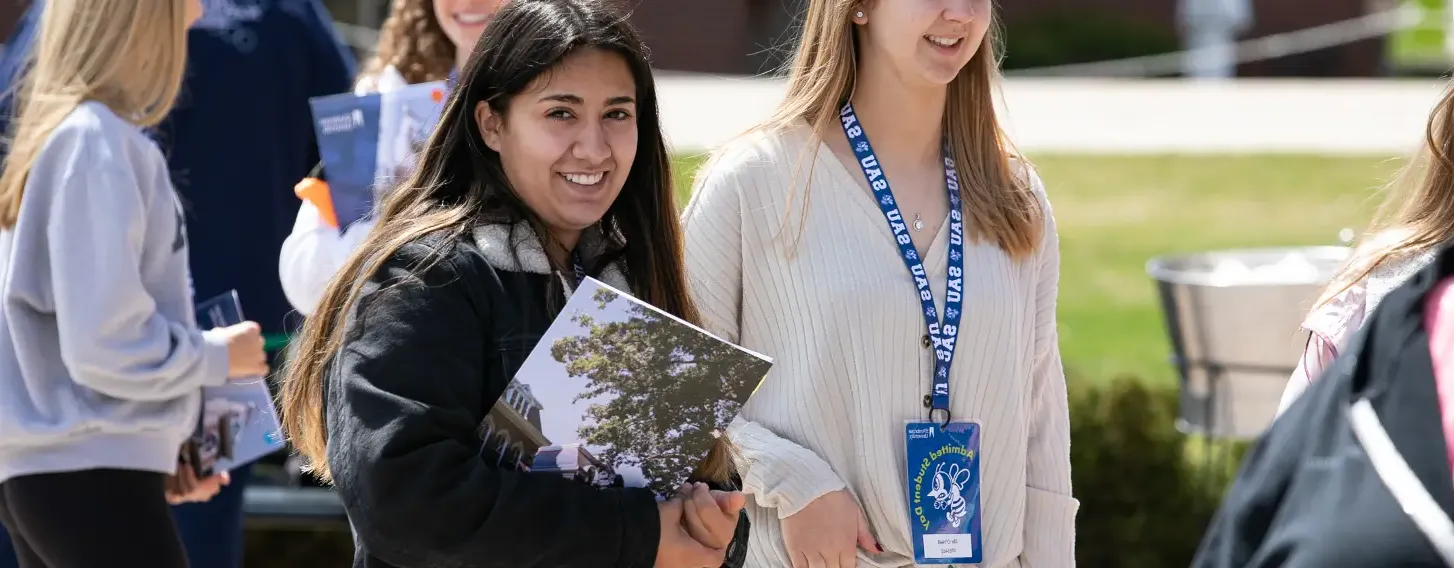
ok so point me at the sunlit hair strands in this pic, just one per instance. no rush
(459, 183)
(127, 54)
(998, 203)
(1417, 214)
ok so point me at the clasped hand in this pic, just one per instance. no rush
(697, 525)
(184, 486)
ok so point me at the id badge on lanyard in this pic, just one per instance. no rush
(944, 514)
(942, 461)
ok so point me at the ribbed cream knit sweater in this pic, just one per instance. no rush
(841, 319)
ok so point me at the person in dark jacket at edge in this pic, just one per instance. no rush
(1357, 471)
(241, 135)
(548, 164)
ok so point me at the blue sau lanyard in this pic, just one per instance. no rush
(943, 334)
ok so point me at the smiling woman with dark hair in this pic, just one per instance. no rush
(548, 165)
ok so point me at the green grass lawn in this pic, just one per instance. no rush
(1115, 213)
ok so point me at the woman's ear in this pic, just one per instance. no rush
(862, 10)
(490, 124)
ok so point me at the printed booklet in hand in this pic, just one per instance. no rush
(368, 143)
(238, 423)
(619, 393)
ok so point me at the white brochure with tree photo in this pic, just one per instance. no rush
(618, 392)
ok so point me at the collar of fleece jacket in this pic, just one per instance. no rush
(517, 249)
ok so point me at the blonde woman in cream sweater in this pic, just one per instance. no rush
(803, 241)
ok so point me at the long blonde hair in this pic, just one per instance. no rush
(998, 203)
(126, 54)
(1417, 213)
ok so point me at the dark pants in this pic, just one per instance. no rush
(91, 518)
(7, 550)
(211, 532)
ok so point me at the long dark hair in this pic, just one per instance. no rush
(459, 183)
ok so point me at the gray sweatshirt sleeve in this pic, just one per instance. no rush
(113, 241)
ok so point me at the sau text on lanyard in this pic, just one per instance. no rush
(942, 456)
(942, 334)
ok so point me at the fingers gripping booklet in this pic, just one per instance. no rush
(619, 393)
(238, 423)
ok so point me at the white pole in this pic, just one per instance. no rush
(1209, 32)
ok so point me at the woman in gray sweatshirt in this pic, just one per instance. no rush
(101, 359)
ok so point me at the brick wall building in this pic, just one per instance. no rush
(10, 12)
(752, 36)
(739, 36)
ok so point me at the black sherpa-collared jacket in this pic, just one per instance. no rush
(1355, 473)
(425, 357)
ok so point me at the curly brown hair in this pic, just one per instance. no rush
(412, 41)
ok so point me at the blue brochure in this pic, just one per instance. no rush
(347, 127)
(238, 423)
(368, 142)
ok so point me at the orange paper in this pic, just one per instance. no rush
(315, 191)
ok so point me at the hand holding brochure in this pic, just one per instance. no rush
(369, 142)
(618, 393)
(238, 423)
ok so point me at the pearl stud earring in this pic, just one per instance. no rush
(859, 14)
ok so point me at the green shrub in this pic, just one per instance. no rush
(1145, 499)
(1145, 492)
(1079, 37)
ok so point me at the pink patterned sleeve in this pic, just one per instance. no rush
(1439, 322)
(1329, 327)
(1316, 358)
